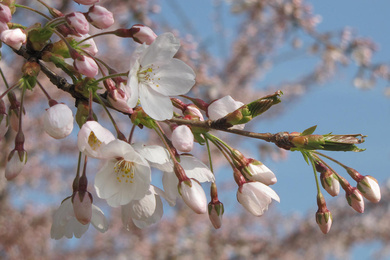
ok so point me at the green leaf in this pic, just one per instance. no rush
(309, 131)
(305, 156)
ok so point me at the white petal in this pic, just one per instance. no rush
(156, 155)
(265, 189)
(161, 50)
(222, 107)
(143, 208)
(157, 106)
(170, 183)
(132, 85)
(173, 79)
(98, 220)
(196, 169)
(154, 218)
(106, 184)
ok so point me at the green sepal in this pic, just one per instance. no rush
(199, 138)
(38, 37)
(309, 131)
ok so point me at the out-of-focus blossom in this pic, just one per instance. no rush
(144, 212)
(193, 195)
(143, 34)
(58, 121)
(92, 137)
(3, 120)
(5, 14)
(223, 106)
(78, 22)
(88, 45)
(66, 224)
(156, 75)
(369, 188)
(86, 66)
(125, 176)
(14, 38)
(183, 139)
(15, 164)
(100, 17)
(255, 197)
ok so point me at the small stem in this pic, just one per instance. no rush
(90, 112)
(209, 153)
(309, 155)
(131, 133)
(21, 110)
(160, 134)
(333, 160)
(95, 35)
(4, 79)
(112, 76)
(118, 132)
(9, 90)
(75, 184)
(44, 91)
(33, 10)
(222, 149)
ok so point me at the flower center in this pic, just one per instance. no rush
(148, 76)
(93, 141)
(124, 171)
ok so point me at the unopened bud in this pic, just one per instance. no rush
(216, 210)
(355, 200)
(100, 17)
(369, 188)
(183, 139)
(257, 171)
(78, 22)
(16, 161)
(142, 34)
(82, 206)
(14, 38)
(324, 220)
(86, 66)
(193, 195)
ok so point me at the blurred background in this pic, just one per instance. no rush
(330, 59)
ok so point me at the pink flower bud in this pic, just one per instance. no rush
(330, 183)
(193, 195)
(15, 38)
(15, 164)
(257, 171)
(3, 27)
(143, 34)
(193, 112)
(182, 138)
(58, 121)
(82, 207)
(216, 211)
(86, 2)
(5, 14)
(100, 17)
(86, 66)
(324, 220)
(78, 22)
(369, 188)
(355, 200)
(118, 98)
(88, 45)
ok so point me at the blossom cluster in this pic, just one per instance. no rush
(147, 93)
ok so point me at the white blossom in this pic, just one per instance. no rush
(156, 75)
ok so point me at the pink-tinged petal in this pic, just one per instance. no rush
(98, 219)
(183, 139)
(170, 183)
(196, 169)
(58, 121)
(117, 148)
(172, 79)
(132, 85)
(156, 155)
(106, 184)
(194, 196)
(157, 106)
(161, 50)
(82, 208)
